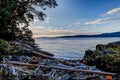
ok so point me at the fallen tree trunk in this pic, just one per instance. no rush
(27, 72)
(61, 68)
(66, 63)
(79, 70)
(51, 58)
(42, 55)
(18, 63)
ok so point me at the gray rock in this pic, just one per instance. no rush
(90, 57)
(100, 47)
(88, 54)
(113, 44)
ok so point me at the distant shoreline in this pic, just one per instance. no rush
(71, 37)
(114, 34)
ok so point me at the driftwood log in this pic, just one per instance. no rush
(27, 72)
(51, 58)
(18, 63)
(42, 55)
(61, 68)
(66, 62)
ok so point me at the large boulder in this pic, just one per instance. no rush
(90, 57)
(100, 47)
(109, 62)
(113, 44)
(105, 57)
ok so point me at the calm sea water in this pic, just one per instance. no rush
(71, 48)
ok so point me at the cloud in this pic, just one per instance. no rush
(97, 21)
(36, 27)
(112, 19)
(100, 21)
(42, 31)
(113, 11)
(57, 32)
(50, 33)
(107, 17)
(71, 25)
(76, 24)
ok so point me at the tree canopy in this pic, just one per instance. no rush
(13, 13)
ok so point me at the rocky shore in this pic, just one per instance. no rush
(27, 62)
(105, 57)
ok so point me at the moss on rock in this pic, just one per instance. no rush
(107, 58)
(109, 62)
(4, 47)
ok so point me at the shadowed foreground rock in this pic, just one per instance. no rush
(105, 57)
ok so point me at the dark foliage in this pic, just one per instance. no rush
(13, 13)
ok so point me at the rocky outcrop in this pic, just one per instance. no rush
(89, 57)
(100, 47)
(105, 57)
(109, 63)
(114, 44)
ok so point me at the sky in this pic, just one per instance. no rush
(76, 17)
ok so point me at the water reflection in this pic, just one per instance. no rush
(71, 48)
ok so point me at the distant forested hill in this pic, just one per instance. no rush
(114, 34)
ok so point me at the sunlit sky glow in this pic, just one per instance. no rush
(73, 17)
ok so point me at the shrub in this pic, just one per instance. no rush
(4, 47)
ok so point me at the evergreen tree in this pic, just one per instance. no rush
(16, 12)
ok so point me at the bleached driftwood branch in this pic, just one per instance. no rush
(61, 68)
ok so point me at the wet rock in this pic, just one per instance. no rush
(100, 47)
(89, 57)
(105, 57)
(109, 63)
(113, 44)
(88, 54)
